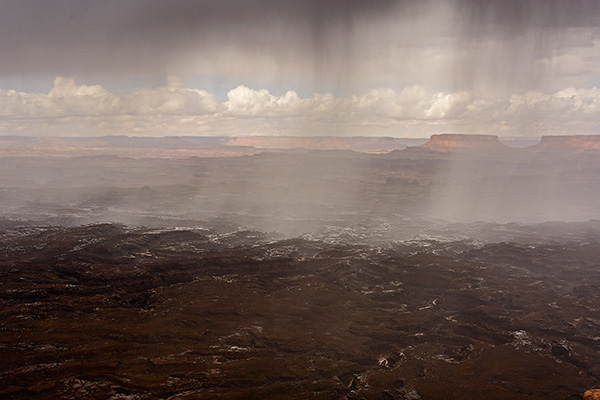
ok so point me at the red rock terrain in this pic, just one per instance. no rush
(569, 143)
(189, 146)
(450, 141)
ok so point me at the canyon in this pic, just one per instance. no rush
(188, 268)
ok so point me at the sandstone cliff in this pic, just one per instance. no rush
(569, 143)
(451, 141)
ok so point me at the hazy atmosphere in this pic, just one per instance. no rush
(300, 199)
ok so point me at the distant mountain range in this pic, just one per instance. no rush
(189, 146)
(450, 142)
(457, 141)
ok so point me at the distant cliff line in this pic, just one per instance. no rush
(437, 142)
(453, 141)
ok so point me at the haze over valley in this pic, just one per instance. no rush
(299, 199)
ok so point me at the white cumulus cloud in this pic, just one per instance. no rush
(73, 109)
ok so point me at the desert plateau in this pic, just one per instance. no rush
(297, 273)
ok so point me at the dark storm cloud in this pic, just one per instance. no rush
(517, 45)
(546, 23)
(515, 15)
(74, 37)
(450, 44)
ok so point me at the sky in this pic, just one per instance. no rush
(521, 68)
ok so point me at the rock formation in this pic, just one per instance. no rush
(592, 394)
(451, 141)
(569, 143)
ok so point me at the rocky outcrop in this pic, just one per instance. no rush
(452, 141)
(592, 394)
(569, 143)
